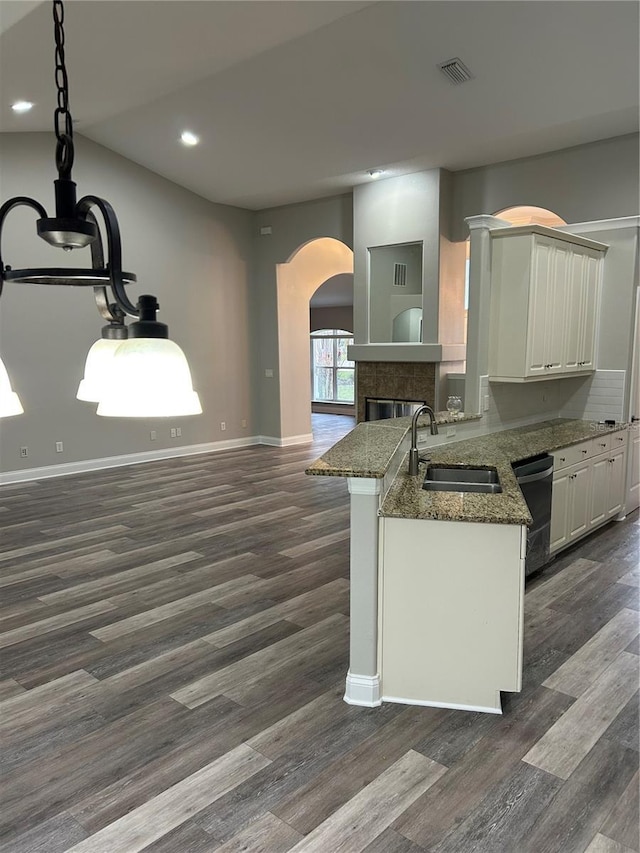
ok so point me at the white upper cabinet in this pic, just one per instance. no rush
(545, 289)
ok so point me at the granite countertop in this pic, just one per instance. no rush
(407, 499)
(368, 449)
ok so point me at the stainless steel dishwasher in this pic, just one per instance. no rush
(535, 478)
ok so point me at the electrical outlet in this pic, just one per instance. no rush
(178, 431)
(59, 447)
(486, 403)
(173, 432)
(268, 373)
(152, 435)
(243, 423)
(223, 426)
(24, 451)
(451, 431)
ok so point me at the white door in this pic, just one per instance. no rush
(559, 509)
(557, 310)
(575, 280)
(579, 499)
(538, 308)
(616, 483)
(633, 457)
(599, 490)
(589, 311)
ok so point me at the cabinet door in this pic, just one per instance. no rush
(589, 311)
(579, 500)
(600, 489)
(616, 482)
(556, 305)
(560, 510)
(575, 281)
(538, 309)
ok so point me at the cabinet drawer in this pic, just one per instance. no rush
(602, 443)
(618, 439)
(570, 455)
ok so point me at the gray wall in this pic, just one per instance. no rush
(595, 181)
(193, 255)
(403, 209)
(291, 227)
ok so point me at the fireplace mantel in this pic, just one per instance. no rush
(407, 352)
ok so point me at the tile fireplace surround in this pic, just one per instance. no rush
(395, 380)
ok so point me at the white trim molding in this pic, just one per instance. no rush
(364, 485)
(288, 441)
(601, 225)
(362, 690)
(485, 220)
(85, 465)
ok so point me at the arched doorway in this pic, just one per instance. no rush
(307, 269)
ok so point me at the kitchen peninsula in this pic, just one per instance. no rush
(437, 577)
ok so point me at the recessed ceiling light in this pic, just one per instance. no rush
(188, 138)
(21, 106)
(375, 173)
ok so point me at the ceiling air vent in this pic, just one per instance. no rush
(455, 70)
(399, 275)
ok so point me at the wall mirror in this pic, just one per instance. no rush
(395, 293)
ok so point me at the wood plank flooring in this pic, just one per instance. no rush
(174, 643)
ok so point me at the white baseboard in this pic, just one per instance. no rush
(86, 465)
(455, 706)
(363, 690)
(288, 441)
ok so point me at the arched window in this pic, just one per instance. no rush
(332, 374)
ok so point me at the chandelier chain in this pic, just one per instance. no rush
(62, 118)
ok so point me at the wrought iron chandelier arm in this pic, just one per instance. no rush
(114, 247)
(18, 201)
(108, 311)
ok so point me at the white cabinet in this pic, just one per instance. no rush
(583, 288)
(547, 309)
(545, 288)
(570, 504)
(588, 487)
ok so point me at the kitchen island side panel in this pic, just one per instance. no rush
(451, 612)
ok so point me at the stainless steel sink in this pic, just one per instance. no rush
(456, 479)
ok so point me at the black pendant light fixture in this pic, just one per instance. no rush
(133, 371)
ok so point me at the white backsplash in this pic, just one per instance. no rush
(594, 397)
(600, 397)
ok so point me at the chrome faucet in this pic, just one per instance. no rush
(414, 457)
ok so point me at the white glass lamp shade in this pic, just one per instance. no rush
(97, 370)
(9, 401)
(150, 379)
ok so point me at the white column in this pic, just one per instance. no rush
(479, 306)
(363, 678)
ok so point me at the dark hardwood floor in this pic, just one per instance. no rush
(174, 644)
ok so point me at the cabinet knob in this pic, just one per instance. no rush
(563, 458)
(585, 451)
(603, 444)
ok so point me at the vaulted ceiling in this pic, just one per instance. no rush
(295, 100)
